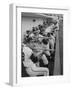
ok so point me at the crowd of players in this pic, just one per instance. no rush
(38, 48)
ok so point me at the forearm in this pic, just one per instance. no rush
(49, 50)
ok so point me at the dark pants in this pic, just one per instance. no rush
(50, 64)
